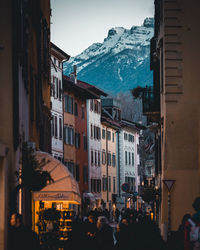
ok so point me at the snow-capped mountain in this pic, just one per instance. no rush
(118, 64)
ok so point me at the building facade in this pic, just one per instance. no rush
(25, 97)
(127, 154)
(76, 95)
(175, 60)
(129, 161)
(94, 149)
(57, 58)
(109, 162)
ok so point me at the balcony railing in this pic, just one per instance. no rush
(150, 101)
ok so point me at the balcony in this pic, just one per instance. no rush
(151, 104)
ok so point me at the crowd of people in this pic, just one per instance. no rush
(132, 230)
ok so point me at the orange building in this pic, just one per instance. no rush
(75, 130)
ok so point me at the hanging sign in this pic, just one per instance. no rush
(169, 184)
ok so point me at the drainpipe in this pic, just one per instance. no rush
(107, 164)
(118, 163)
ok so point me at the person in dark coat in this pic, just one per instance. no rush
(124, 236)
(105, 240)
(90, 231)
(21, 237)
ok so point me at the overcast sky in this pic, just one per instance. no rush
(77, 24)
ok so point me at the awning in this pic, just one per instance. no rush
(89, 196)
(64, 186)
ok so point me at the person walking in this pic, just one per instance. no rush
(21, 237)
(192, 228)
(105, 240)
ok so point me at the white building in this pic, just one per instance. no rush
(128, 160)
(94, 143)
(94, 147)
(57, 58)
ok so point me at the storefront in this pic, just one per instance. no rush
(55, 206)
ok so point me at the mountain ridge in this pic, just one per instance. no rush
(120, 63)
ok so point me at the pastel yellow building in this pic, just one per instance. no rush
(175, 60)
(109, 164)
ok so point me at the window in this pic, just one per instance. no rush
(113, 137)
(104, 184)
(53, 87)
(56, 127)
(99, 159)
(98, 186)
(85, 175)
(103, 133)
(95, 106)
(91, 105)
(95, 158)
(60, 90)
(57, 88)
(103, 157)
(131, 182)
(129, 157)
(113, 184)
(84, 142)
(54, 60)
(70, 166)
(60, 129)
(76, 109)
(130, 138)
(92, 157)
(69, 135)
(52, 125)
(94, 185)
(94, 132)
(77, 174)
(99, 133)
(109, 184)
(82, 112)
(109, 159)
(126, 158)
(77, 140)
(91, 131)
(132, 159)
(98, 107)
(108, 135)
(113, 160)
(69, 104)
(125, 136)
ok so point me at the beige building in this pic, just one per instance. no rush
(24, 96)
(109, 163)
(175, 49)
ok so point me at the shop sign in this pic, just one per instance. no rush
(51, 196)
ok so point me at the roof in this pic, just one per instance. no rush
(64, 185)
(59, 53)
(130, 124)
(113, 123)
(92, 88)
(68, 84)
(138, 125)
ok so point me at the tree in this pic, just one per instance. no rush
(32, 176)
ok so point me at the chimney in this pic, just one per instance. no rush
(73, 75)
